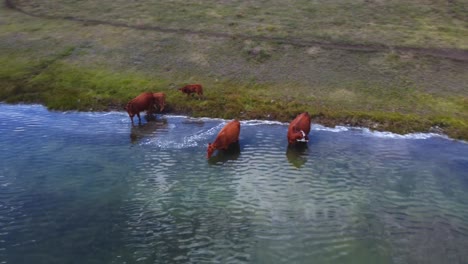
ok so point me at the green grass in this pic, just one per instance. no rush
(63, 87)
(88, 67)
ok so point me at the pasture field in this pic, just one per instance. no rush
(386, 65)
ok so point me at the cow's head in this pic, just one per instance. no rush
(296, 135)
(209, 151)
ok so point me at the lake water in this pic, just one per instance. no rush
(90, 188)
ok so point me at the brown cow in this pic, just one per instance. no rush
(159, 101)
(228, 135)
(143, 102)
(299, 129)
(190, 89)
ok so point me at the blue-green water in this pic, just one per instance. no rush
(90, 188)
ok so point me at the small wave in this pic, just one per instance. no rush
(187, 141)
(330, 129)
(256, 122)
(22, 105)
(253, 122)
(379, 134)
(386, 134)
(189, 117)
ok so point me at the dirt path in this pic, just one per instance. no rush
(453, 54)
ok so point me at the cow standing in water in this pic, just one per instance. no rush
(143, 102)
(191, 89)
(299, 129)
(228, 135)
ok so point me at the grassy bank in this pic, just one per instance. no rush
(66, 87)
(66, 64)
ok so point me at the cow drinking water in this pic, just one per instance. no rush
(299, 129)
(228, 135)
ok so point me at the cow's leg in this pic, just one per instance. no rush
(139, 119)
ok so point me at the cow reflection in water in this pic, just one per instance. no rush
(222, 156)
(296, 154)
(148, 129)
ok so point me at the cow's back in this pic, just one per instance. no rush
(229, 134)
(140, 103)
(198, 88)
(301, 122)
(194, 88)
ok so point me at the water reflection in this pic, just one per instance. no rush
(296, 154)
(152, 117)
(140, 131)
(222, 156)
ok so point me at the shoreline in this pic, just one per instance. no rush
(316, 126)
(227, 100)
(71, 65)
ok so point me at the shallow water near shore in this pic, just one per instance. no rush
(91, 188)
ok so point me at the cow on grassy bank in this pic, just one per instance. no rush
(192, 89)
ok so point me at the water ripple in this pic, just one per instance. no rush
(91, 186)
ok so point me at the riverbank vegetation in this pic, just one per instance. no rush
(387, 66)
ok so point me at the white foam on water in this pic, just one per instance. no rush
(189, 141)
(256, 122)
(253, 122)
(379, 134)
(386, 134)
(203, 118)
(331, 129)
(186, 117)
